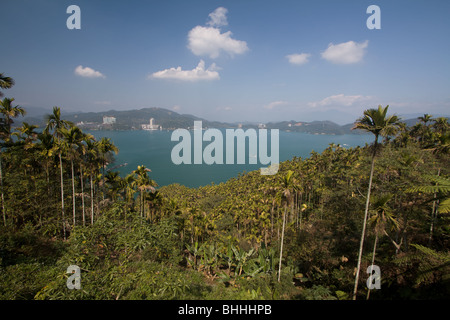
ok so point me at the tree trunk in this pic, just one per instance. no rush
(364, 227)
(73, 195)
(82, 195)
(281, 247)
(373, 259)
(92, 200)
(62, 195)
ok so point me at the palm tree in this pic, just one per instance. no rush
(45, 148)
(27, 134)
(5, 83)
(382, 216)
(8, 111)
(426, 118)
(143, 183)
(378, 123)
(71, 140)
(113, 180)
(441, 125)
(92, 161)
(287, 186)
(83, 151)
(129, 190)
(55, 123)
(105, 147)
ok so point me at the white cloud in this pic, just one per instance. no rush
(88, 72)
(275, 104)
(339, 100)
(346, 52)
(218, 17)
(209, 41)
(298, 58)
(196, 74)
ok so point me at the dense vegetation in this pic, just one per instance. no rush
(294, 235)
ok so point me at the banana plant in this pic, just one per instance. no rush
(209, 257)
(241, 256)
(267, 259)
(195, 251)
(227, 256)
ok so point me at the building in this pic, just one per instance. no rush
(151, 125)
(109, 120)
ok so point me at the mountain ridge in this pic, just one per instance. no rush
(171, 120)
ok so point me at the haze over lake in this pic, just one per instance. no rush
(153, 150)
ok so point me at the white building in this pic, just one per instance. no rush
(109, 120)
(151, 126)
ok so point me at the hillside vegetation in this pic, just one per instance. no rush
(308, 232)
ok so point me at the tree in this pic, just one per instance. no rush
(27, 133)
(143, 183)
(287, 186)
(378, 123)
(105, 147)
(425, 118)
(382, 216)
(8, 111)
(71, 140)
(55, 123)
(5, 83)
(92, 164)
(83, 151)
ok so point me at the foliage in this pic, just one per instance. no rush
(293, 235)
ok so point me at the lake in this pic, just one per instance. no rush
(153, 150)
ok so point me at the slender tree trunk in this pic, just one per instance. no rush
(373, 259)
(62, 195)
(73, 195)
(92, 200)
(103, 178)
(82, 195)
(282, 240)
(271, 221)
(364, 227)
(278, 224)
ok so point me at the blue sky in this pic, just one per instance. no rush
(233, 60)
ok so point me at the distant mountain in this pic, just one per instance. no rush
(314, 127)
(170, 120)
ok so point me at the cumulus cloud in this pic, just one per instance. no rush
(298, 58)
(346, 52)
(218, 17)
(339, 100)
(88, 72)
(210, 41)
(196, 74)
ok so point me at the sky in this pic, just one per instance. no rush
(230, 60)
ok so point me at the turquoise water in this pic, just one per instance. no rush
(153, 149)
